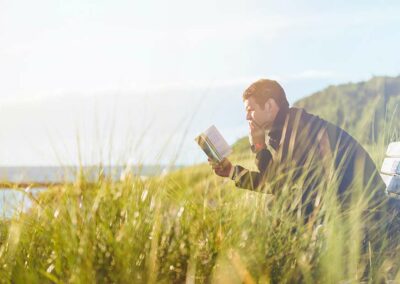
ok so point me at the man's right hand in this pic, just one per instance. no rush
(256, 134)
(222, 168)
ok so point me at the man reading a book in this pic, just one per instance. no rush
(292, 145)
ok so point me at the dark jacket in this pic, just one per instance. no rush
(294, 152)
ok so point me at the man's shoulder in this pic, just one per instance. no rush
(304, 114)
(302, 118)
(306, 118)
(314, 121)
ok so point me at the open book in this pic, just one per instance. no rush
(213, 144)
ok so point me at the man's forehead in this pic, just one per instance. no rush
(248, 102)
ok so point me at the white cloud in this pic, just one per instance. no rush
(312, 74)
(162, 88)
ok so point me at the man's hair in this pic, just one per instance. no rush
(264, 89)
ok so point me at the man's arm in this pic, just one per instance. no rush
(244, 178)
(253, 180)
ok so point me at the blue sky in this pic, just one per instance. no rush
(92, 58)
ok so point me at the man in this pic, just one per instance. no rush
(294, 146)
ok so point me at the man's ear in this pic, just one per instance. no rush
(268, 104)
(273, 106)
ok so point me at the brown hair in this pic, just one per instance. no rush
(264, 89)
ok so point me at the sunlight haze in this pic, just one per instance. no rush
(98, 73)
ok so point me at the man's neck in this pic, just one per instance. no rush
(279, 120)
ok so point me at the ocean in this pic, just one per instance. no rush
(13, 201)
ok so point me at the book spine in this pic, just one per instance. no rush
(213, 149)
(207, 147)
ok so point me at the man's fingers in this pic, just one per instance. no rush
(219, 167)
(225, 162)
(216, 167)
(211, 162)
(251, 125)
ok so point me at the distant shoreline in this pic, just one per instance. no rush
(64, 174)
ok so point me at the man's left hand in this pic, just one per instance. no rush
(222, 168)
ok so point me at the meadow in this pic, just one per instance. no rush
(190, 226)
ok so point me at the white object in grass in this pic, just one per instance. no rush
(393, 150)
(391, 166)
(390, 171)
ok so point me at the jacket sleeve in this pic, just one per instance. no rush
(253, 180)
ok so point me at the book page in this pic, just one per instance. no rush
(218, 141)
(213, 144)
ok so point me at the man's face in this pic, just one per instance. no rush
(258, 116)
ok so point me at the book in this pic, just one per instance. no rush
(213, 144)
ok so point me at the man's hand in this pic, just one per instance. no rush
(222, 168)
(256, 134)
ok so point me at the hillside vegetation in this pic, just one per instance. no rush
(370, 111)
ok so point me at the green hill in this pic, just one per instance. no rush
(369, 110)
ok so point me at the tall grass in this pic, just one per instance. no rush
(190, 226)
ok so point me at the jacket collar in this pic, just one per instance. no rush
(275, 133)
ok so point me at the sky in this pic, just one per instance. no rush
(135, 81)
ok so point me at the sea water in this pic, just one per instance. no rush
(13, 201)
